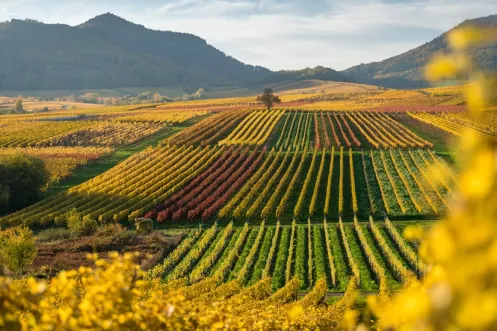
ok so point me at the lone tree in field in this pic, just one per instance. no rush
(268, 98)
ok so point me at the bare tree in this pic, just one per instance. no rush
(268, 98)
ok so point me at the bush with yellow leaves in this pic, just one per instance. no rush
(113, 296)
(460, 290)
(17, 248)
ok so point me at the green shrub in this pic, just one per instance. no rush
(144, 225)
(23, 179)
(53, 234)
(79, 226)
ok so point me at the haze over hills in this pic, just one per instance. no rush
(406, 70)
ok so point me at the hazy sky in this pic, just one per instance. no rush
(278, 34)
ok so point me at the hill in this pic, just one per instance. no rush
(317, 73)
(314, 86)
(406, 70)
(108, 51)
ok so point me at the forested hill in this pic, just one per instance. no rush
(406, 70)
(108, 51)
(319, 72)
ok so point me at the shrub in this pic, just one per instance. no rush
(60, 221)
(144, 225)
(53, 234)
(17, 248)
(112, 229)
(79, 226)
(126, 235)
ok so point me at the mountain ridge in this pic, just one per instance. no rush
(108, 51)
(405, 70)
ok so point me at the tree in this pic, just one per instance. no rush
(18, 107)
(157, 97)
(17, 248)
(22, 181)
(268, 98)
(90, 97)
(145, 96)
(199, 94)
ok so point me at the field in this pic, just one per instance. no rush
(373, 252)
(306, 86)
(330, 206)
(61, 162)
(319, 188)
(67, 140)
(174, 183)
(32, 104)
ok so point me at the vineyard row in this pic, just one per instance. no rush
(179, 183)
(374, 252)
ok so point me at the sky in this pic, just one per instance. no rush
(278, 34)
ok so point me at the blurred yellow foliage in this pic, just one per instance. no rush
(114, 296)
(460, 290)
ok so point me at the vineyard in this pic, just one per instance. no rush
(301, 198)
(374, 252)
(458, 123)
(195, 183)
(297, 130)
(60, 162)
(74, 133)
(67, 140)
(332, 206)
(255, 128)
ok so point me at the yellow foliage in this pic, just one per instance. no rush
(469, 36)
(460, 290)
(113, 296)
(444, 66)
